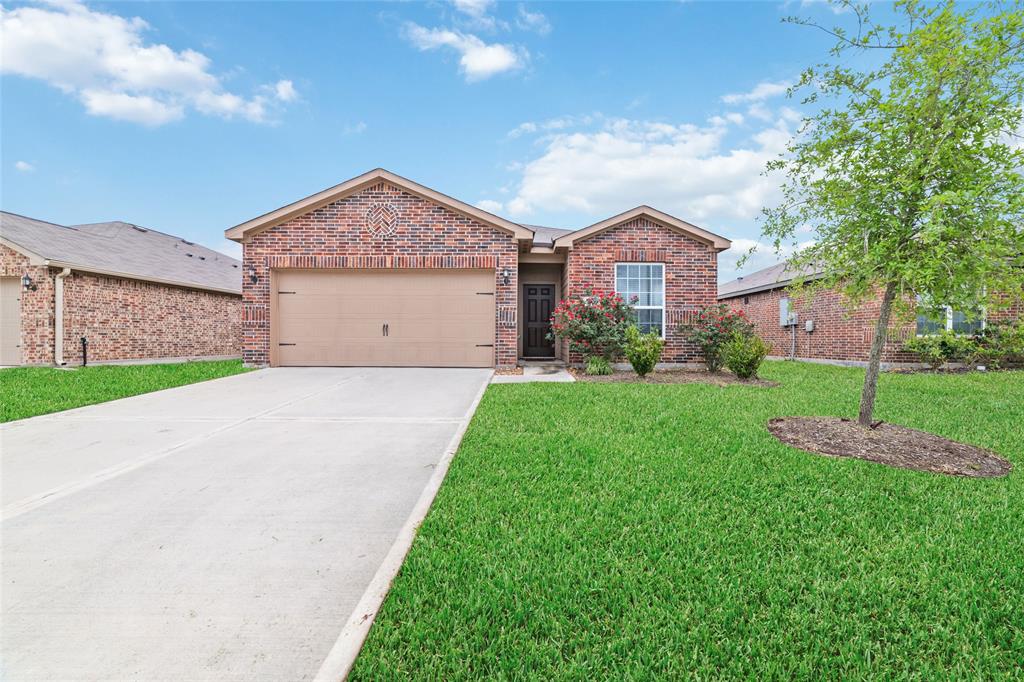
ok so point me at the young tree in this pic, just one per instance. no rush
(912, 181)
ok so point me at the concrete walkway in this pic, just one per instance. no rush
(219, 531)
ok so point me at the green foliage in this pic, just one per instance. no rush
(598, 365)
(594, 323)
(659, 532)
(30, 391)
(643, 350)
(936, 350)
(908, 174)
(743, 354)
(1000, 344)
(711, 328)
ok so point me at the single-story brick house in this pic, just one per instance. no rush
(823, 326)
(380, 270)
(132, 293)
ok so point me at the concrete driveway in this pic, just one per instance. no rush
(219, 531)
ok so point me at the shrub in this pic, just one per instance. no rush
(743, 354)
(1000, 344)
(595, 323)
(643, 350)
(598, 365)
(936, 350)
(712, 328)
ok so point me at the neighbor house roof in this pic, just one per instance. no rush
(360, 182)
(122, 250)
(772, 277)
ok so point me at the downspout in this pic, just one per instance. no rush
(58, 316)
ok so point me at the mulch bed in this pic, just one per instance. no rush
(514, 371)
(895, 446)
(671, 376)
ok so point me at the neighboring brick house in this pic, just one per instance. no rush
(837, 331)
(380, 270)
(134, 294)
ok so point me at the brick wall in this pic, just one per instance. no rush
(691, 273)
(36, 307)
(122, 319)
(425, 235)
(127, 319)
(841, 332)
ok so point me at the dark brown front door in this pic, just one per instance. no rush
(540, 303)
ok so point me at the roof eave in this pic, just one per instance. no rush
(314, 201)
(710, 238)
(139, 278)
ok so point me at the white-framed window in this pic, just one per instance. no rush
(645, 282)
(935, 320)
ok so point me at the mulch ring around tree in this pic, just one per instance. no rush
(671, 376)
(895, 446)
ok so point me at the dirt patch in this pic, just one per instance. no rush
(671, 376)
(895, 446)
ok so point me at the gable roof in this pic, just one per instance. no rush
(121, 249)
(545, 236)
(773, 277)
(349, 187)
(718, 242)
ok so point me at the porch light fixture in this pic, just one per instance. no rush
(253, 277)
(506, 276)
(27, 284)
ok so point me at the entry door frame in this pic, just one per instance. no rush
(524, 330)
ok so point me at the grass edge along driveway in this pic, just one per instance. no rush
(31, 391)
(624, 531)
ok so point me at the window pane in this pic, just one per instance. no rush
(634, 271)
(620, 272)
(961, 325)
(926, 324)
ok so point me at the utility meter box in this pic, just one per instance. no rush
(809, 326)
(787, 316)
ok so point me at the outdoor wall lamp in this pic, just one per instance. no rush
(253, 277)
(27, 284)
(506, 276)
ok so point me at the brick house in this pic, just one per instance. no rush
(823, 326)
(132, 293)
(380, 270)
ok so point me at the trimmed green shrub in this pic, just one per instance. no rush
(712, 328)
(643, 350)
(598, 365)
(935, 350)
(1000, 344)
(743, 355)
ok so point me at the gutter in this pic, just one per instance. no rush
(58, 316)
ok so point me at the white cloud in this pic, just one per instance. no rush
(490, 205)
(762, 91)
(477, 60)
(532, 21)
(476, 14)
(354, 129)
(550, 125)
(285, 91)
(682, 168)
(104, 61)
(24, 167)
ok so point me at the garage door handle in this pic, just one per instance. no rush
(385, 329)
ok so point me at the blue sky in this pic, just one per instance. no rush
(192, 117)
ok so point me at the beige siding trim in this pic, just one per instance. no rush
(718, 242)
(332, 194)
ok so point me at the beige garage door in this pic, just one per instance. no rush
(10, 321)
(384, 318)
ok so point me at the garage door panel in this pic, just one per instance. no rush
(438, 318)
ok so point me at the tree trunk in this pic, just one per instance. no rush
(867, 396)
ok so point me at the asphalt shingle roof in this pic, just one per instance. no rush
(773, 277)
(124, 249)
(546, 236)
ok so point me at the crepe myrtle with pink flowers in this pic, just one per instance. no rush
(711, 328)
(594, 323)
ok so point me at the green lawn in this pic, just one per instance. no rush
(28, 391)
(612, 531)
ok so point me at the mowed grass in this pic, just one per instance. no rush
(613, 531)
(30, 391)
